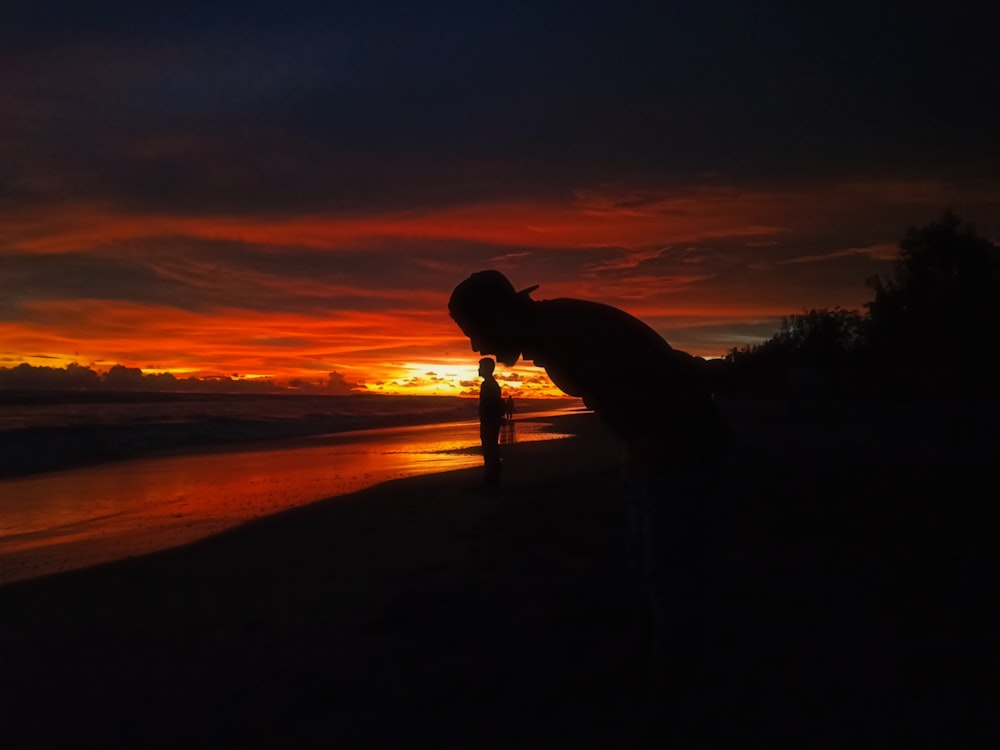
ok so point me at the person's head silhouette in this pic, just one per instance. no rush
(486, 367)
(488, 310)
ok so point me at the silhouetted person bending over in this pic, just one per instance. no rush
(491, 411)
(648, 394)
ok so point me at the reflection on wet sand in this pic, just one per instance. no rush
(79, 517)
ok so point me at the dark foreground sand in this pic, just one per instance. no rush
(852, 605)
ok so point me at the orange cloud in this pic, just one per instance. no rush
(645, 220)
(588, 219)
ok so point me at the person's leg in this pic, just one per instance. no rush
(643, 632)
(490, 437)
(671, 542)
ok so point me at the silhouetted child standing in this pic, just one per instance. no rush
(491, 411)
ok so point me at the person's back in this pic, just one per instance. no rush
(491, 403)
(645, 391)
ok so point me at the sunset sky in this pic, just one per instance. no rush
(292, 189)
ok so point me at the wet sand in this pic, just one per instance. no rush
(851, 602)
(82, 516)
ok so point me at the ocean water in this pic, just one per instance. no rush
(32, 409)
(96, 477)
(45, 431)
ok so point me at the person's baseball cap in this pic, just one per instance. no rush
(484, 292)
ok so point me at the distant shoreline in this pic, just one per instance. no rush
(68, 395)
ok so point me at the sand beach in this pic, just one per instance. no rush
(850, 601)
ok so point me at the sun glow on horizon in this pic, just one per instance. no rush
(354, 351)
(459, 379)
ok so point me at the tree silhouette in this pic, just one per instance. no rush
(935, 322)
(815, 350)
(820, 337)
(932, 329)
